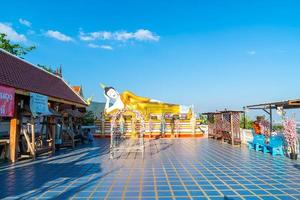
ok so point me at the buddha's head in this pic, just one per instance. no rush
(111, 92)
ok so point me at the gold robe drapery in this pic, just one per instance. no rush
(145, 106)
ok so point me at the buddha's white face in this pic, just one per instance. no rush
(112, 94)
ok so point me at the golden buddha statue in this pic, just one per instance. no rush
(145, 105)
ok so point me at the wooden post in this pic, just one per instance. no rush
(13, 139)
(231, 127)
(150, 124)
(103, 125)
(33, 138)
(112, 144)
(14, 133)
(72, 132)
(245, 120)
(53, 131)
(44, 123)
(271, 120)
(133, 123)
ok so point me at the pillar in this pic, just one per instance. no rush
(14, 133)
(33, 138)
(52, 123)
(13, 139)
(231, 128)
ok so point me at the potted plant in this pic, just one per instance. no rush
(290, 135)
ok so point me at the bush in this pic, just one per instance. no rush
(88, 118)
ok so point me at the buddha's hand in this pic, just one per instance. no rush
(107, 103)
(106, 97)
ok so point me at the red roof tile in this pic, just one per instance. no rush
(17, 73)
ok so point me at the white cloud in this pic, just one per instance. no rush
(101, 35)
(58, 35)
(251, 52)
(107, 47)
(25, 22)
(144, 34)
(123, 36)
(95, 46)
(11, 33)
(140, 35)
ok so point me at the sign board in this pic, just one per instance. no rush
(7, 101)
(39, 104)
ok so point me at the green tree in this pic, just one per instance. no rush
(15, 49)
(47, 68)
(247, 122)
(203, 119)
(88, 118)
(19, 50)
(278, 128)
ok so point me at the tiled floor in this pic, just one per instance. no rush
(171, 169)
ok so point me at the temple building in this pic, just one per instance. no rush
(34, 103)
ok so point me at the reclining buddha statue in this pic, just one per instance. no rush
(144, 105)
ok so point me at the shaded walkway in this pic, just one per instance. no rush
(172, 168)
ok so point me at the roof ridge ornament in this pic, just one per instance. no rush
(102, 86)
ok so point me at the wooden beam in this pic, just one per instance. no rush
(29, 144)
(267, 111)
(294, 103)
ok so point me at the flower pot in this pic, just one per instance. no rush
(293, 156)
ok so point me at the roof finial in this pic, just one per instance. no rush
(102, 86)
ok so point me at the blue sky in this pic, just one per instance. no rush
(213, 54)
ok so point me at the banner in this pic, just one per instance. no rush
(7, 101)
(39, 104)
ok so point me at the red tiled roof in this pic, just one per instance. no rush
(20, 74)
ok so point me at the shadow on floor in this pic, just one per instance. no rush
(31, 179)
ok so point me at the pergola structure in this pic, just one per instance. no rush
(224, 125)
(269, 107)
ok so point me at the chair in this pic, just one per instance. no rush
(257, 143)
(275, 146)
